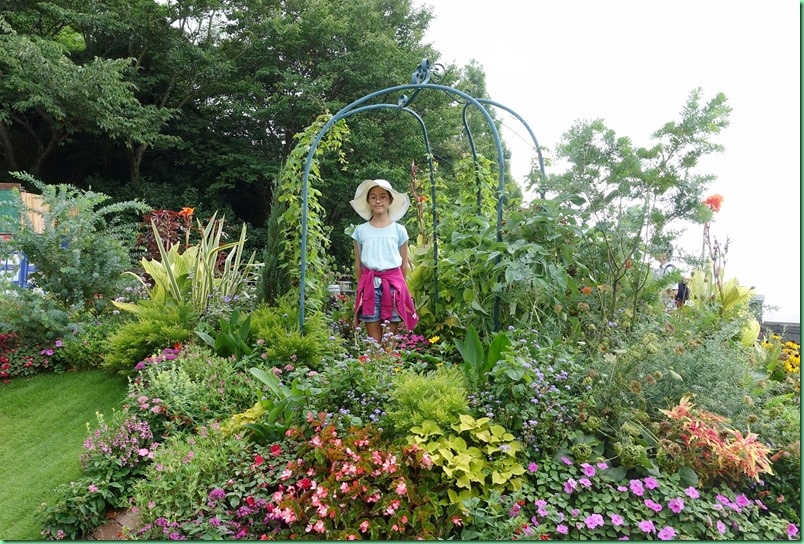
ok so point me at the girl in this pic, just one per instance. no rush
(381, 259)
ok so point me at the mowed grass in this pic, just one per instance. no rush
(43, 425)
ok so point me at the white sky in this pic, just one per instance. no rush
(633, 63)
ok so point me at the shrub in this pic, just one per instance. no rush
(79, 508)
(539, 393)
(438, 396)
(283, 342)
(86, 347)
(156, 326)
(32, 315)
(84, 246)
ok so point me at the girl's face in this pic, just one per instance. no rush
(380, 200)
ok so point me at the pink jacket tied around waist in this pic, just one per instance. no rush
(364, 297)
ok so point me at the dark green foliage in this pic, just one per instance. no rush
(155, 327)
(32, 315)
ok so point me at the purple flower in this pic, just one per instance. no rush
(533, 467)
(622, 488)
(721, 527)
(562, 529)
(601, 465)
(655, 506)
(741, 500)
(616, 520)
(216, 494)
(59, 343)
(569, 486)
(792, 530)
(721, 499)
(692, 493)
(647, 526)
(585, 482)
(566, 461)
(588, 469)
(575, 512)
(667, 533)
(595, 520)
(636, 487)
(676, 505)
(651, 482)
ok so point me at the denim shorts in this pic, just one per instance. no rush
(377, 301)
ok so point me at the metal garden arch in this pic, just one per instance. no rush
(419, 81)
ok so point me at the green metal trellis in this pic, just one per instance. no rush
(419, 81)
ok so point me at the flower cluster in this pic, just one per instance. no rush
(596, 505)
(124, 448)
(18, 360)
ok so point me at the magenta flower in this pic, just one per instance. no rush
(792, 530)
(647, 526)
(741, 500)
(655, 506)
(533, 467)
(667, 533)
(595, 520)
(569, 486)
(722, 500)
(692, 493)
(622, 488)
(562, 529)
(676, 505)
(588, 469)
(616, 520)
(636, 487)
(601, 465)
(651, 482)
(585, 482)
(566, 461)
(721, 527)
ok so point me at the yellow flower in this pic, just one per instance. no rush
(434, 339)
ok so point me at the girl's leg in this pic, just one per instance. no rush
(374, 329)
(393, 326)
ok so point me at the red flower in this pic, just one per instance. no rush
(276, 449)
(258, 460)
(250, 500)
(544, 537)
(714, 202)
(586, 290)
(186, 212)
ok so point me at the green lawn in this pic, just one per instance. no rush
(42, 432)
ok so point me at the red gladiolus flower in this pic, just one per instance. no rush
(714, 202)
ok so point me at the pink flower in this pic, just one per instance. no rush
(616, 520)
(741, 500)
(566, 461)
(792, 530)
(636, 487)
(655, 506)
(364, 526)
(647, 526)
(667, 533)
(585, 482)
(533, 467)
(692, 493)
(601, 465)
(595, 520)
(401, 488)
(651, 482)
(562, 529)
(92, 488)
(569, 486)
(588, 469)
(721, 499)
(721, 527)
(676, 505)
(456, 520)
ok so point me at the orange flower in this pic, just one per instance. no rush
(186, 212)
(586, 290)
(714, 202)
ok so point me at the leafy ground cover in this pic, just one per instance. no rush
(44, 426)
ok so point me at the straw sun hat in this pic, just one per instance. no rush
(395, 211)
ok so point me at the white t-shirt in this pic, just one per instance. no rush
(379, 248)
